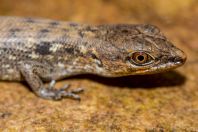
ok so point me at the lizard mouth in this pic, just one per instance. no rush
(179, 61)
(180, 58)
(171, 62)
(174, 63)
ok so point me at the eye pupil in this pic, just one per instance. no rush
(140, 58)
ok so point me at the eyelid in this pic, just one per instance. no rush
(139, 52)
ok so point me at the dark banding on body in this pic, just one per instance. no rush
(13, 32)
(94, 57)
(72, 51)
(44, 31)
(72, 24)
(43, 48)
(29, 20)
(80, 34)
(54, 23)
(65, 29)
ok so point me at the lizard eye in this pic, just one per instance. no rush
(141, 58)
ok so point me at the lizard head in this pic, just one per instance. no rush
(137, 49)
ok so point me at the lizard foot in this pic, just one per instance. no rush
(58, 94)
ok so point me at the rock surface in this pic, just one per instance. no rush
(162, 102)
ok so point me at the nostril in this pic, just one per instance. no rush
(179, 60)
(181, 57)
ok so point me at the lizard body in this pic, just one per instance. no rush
(39, 50)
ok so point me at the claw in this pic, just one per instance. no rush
(71, 95)
(58, 94)
(64, 94)
(52, 84)
(78, 90)
(65, 87)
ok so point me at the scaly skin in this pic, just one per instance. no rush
(38, 50)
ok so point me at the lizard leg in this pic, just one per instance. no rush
(34, 72)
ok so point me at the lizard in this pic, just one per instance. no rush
(41, 51)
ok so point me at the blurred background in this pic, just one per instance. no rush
(168, 102)
(106, 11)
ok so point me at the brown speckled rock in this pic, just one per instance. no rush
(162, 102)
